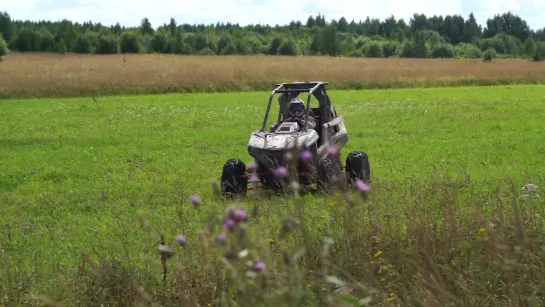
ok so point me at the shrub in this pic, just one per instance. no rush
(389, 49)
(107, 44)
(206, 51)
(407, 50)
(489, 54)
(442, 51)
(288, 47)
(466, 50)
(358, 53)
(373, 50)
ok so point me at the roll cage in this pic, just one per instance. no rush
(291, 90)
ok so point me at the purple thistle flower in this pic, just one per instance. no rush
(260, 266)
(230, 213)
(195, 200)
(222, 237)
(362, 186)
(252, 167)
(254, 178)
(306, 155)
(332, 150)
(281, 172)
(240, 215)
(229, 224)
(180, 239)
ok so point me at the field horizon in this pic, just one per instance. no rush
(90, 189)
(43, 75)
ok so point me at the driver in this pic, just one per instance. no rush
(297, 114)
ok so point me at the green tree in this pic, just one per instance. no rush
(145, 27)
(130, 43)
(25, 40)
(61, 47)
(202, 41)
(241, 46)
(288, 47)
(419, 45)
(160, 43)
(7, 27)
(509, 24)
(332, 45)
(342, 25)
(453, 28)
(108, 44)
(373, 50)
(471, 30)
(530, 47)
(274, 45)
(407, 50)
(3, 47)
(317, 45)
(422, 36)
(389, 48)
(172, 27)
(83, 44)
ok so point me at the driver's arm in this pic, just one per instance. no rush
(311, 123)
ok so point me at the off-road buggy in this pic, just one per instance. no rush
(273, 149)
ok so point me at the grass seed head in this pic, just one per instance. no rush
(165, 251)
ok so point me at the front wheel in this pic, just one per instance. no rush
(358, 167)
(234, 179)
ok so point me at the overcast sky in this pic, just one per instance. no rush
(262, 11)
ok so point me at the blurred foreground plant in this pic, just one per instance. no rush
(407, 243)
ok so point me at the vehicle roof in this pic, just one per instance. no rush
(302, 84)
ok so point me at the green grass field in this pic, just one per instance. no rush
(75, 176)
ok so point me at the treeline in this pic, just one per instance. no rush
(505, 35)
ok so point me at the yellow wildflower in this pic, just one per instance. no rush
(271, 240)
(390, 297)
(382, 269)
(482, 230)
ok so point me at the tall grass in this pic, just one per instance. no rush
(88, 190)
(445, 243)
(54, 75)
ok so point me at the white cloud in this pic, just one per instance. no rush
(262, 11)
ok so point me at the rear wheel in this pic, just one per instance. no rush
(358, 167)
(234, 179)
